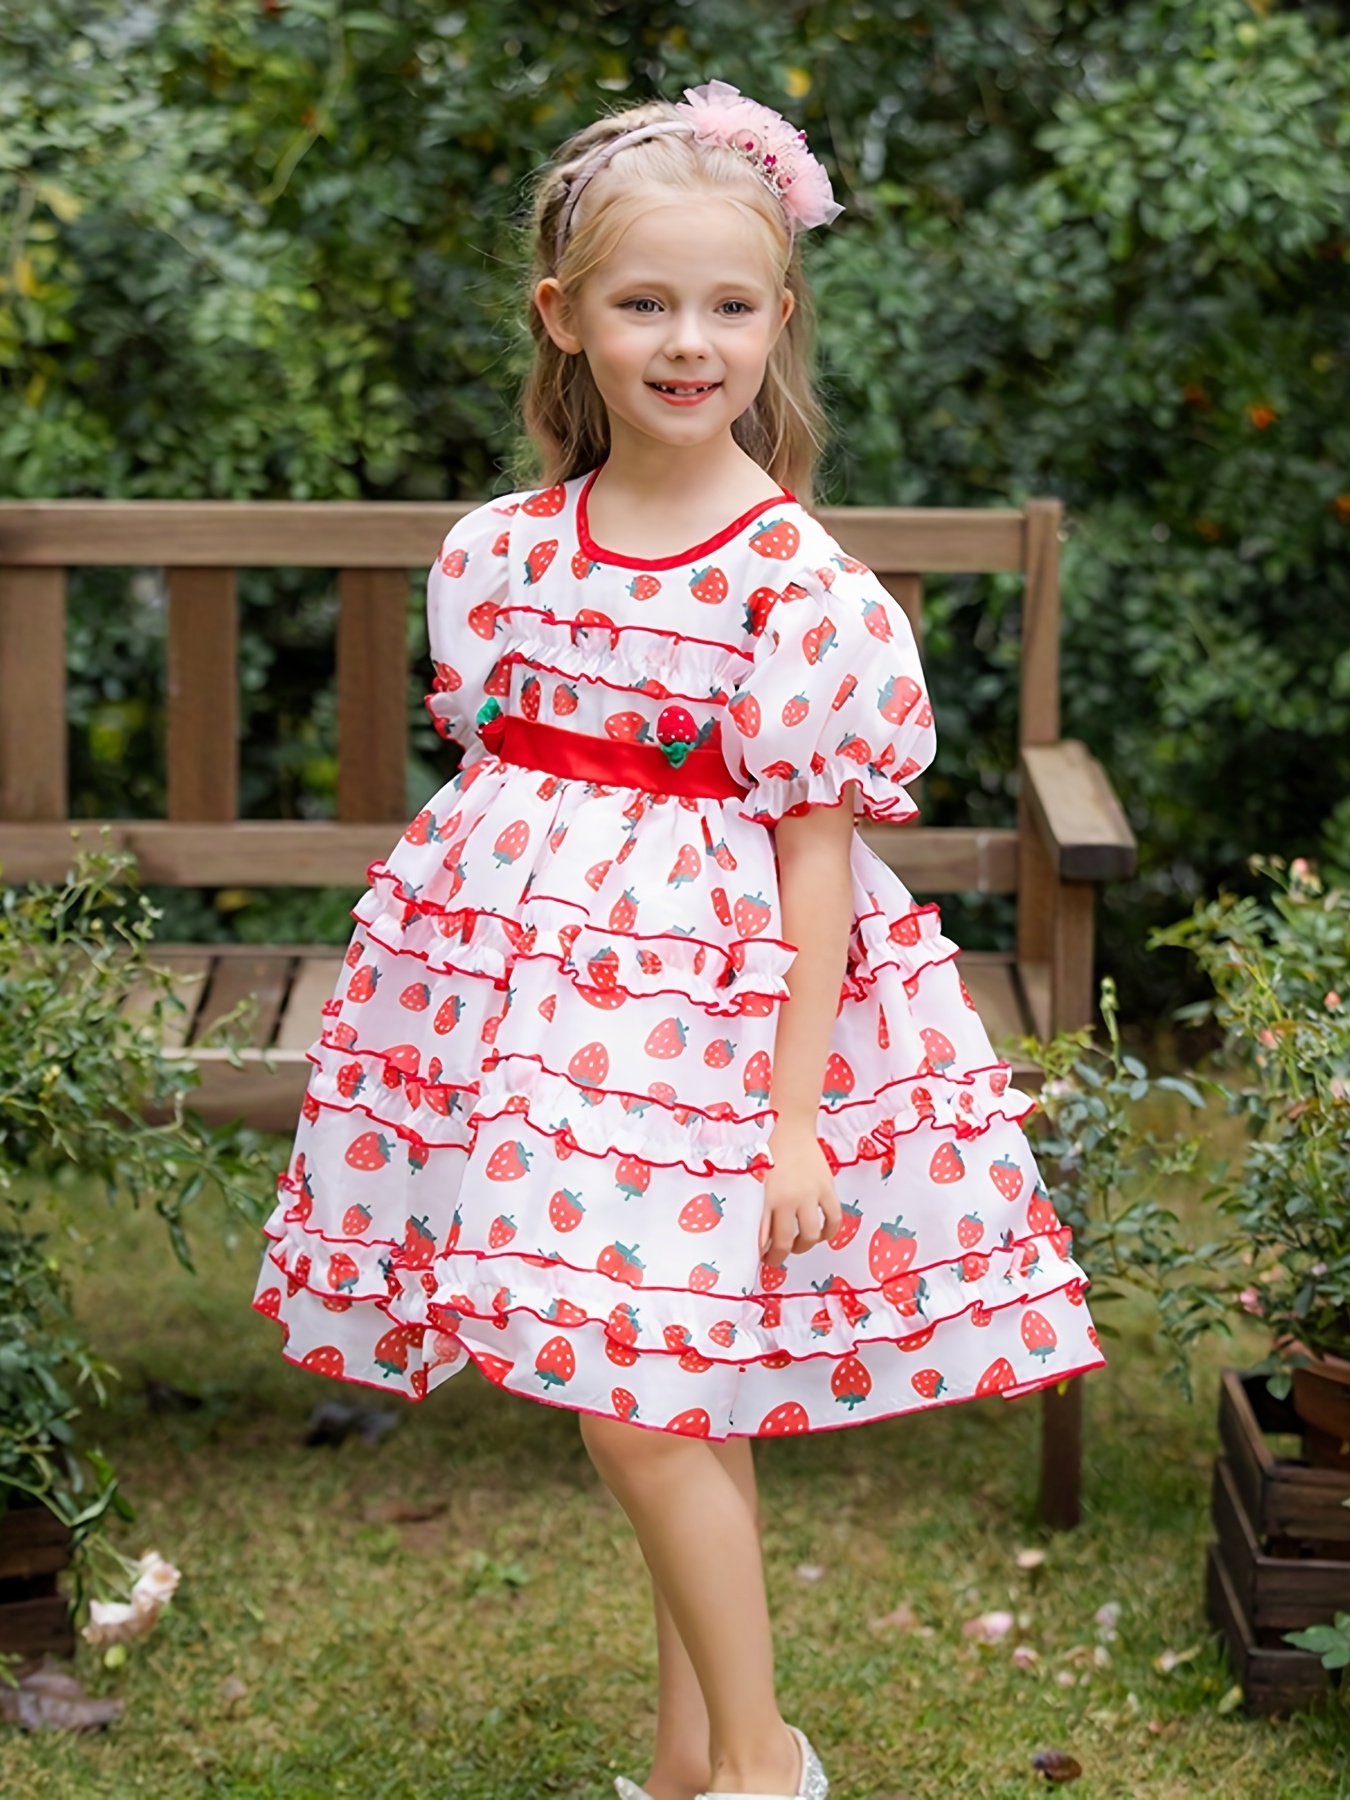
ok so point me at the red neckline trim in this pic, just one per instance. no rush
(598, 553)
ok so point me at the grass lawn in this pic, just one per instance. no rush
(326, 1643)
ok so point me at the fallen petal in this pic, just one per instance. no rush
(1168, 1660)
(1025, 1657)
(1056, 1765)
(989, 1628)
(903, 1618)
(1108, 1616)
(47, 1699)
(1030, 1559)
(809, 1571)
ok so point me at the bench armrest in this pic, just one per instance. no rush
(1075, 809)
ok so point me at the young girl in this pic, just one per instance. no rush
(647, 1088)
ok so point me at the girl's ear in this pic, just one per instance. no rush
(788, 306)
(556, 312)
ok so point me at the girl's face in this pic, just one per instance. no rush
(677, 323)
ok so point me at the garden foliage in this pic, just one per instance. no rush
(1091, 249)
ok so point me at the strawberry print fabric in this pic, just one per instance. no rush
(536, 1128)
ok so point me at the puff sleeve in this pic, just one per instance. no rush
(835, 695)
(466, 588)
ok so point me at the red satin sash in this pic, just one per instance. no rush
(702, 775)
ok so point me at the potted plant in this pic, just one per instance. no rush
(82, 1014)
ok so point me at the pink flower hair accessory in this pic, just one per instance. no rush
(719, 113)
(774, 148)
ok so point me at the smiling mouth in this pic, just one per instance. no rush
(684, 388)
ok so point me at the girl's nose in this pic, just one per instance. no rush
(687, 336)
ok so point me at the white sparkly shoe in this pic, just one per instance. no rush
(813, 1783)
(629, 1790)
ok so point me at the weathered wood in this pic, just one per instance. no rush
(1286, 1499)
(261, 978)
(1061, 1455)
(942, 859)
(907, 592)
(202, 749)
(1277, 1593)
(315, 981)
(190, 968)
(32, 695)
(1272, 1681)
(1075, 809)
(33, 1541)
(265, 1092)
(404, 534)
(1036, 886)
(248, 853)
(1038, 721)
(37, 1627)
(1033, 981)
(1073, 993)
(372, 678)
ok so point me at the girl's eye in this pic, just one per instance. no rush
(743, 306)
(643, 305)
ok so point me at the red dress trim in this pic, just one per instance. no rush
(578, 756)
(598, 553)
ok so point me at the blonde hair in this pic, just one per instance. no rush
(563, 412)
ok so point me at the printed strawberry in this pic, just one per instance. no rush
(787, 1420)
(973, 1267)
(351, 1078)
(623, 913)
(343, 1273)
(644, 587)
(325, 1360)
(708, 585)
(496, 1368)
(847, 1229)
(757, 1078)
(676, 1336)
(693, 1423)
(621, 1264)
(702, 1213)
(928, 1383)
(632, 1176)
(970, 1231)
(419, 1244)
(839, 1079)
(416, 997)
(1038, 1334)
(819, 641)
(511, 842)
(745, 711)
(667, 1039)
(606, 999)
(565, 1210)
(781, 770)
(622, 1324)
(685, 867)
(892, 1249)
(556, 1363)
(850, 1382)
(595, 878)
(454, 563)
(362, 985)
(898, 698)
(564, 699)
(751, 913)
(757, 609)
(547, 504)
(355, 1220)
(719, 1053)
(704, 1277)
(624, 1404)
(531, 693)
(627, 728)
(1007, 1177)
(391, 1350)
(371, 1150)
(997, 1378)
(874, 618)
(883, 1030)
(422, 828)
(906, 1293)
(548, 1006)
(448, 1014)
(501, 1231)
(855, 748)
(508, 1162)
(795, 709)
(590, 1065)
(778, 539)
(1041, 1215)
(540, 557)
(947, 1164)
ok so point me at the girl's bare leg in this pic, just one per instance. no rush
(681, 1765)
(700, 1541)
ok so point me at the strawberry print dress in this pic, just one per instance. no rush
(536, 1128)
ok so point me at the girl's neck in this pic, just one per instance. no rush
(653, 500)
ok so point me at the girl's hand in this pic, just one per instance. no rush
(801, 1206)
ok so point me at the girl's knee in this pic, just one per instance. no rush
(633, 1451)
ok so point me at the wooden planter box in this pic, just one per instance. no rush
(34, 1619)
(1282, 1557)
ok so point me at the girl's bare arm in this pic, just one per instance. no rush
(816, 894)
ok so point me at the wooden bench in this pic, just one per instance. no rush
(1071, 832)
